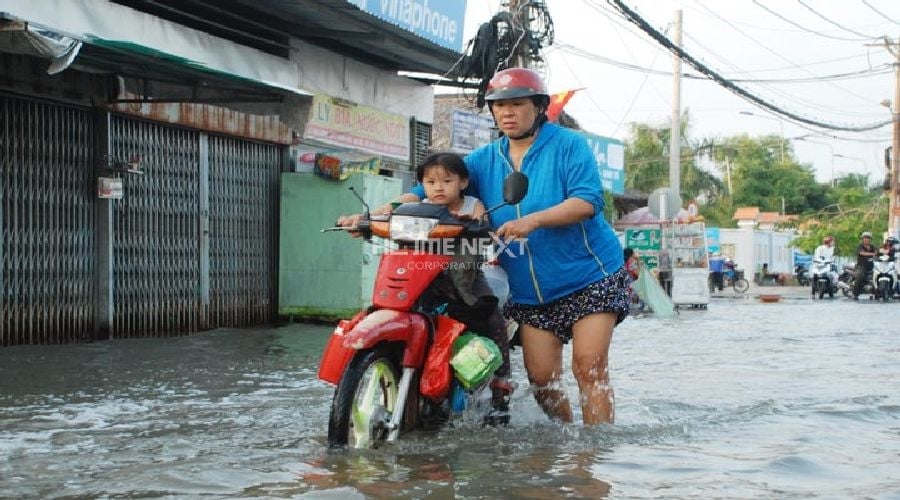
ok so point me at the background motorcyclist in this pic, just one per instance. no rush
(864, 254)
(889, 248)
(825, 252)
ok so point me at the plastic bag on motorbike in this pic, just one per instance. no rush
(435, 381)
(475, 358)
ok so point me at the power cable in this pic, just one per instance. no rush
(879, 12)
(863, 73)
(602, 10)
(848, 30)
(786, 96)
(792, 23)
(777, 54)
(638, 21)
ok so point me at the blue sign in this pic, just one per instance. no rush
(440, 21)
(712, 240)
(610, 156)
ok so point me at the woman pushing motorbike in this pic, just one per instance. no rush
(564, 262)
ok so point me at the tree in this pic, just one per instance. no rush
(760, 178)
(857, 208)
(647, 160)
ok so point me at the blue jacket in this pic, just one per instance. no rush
(554, 261)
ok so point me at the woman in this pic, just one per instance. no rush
(565, 264)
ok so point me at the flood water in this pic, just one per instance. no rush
(744, 400)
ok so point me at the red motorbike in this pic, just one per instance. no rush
(390, 362)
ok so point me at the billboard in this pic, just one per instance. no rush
(610, 156)
(470, 131)
(341, 123)
(439, 21)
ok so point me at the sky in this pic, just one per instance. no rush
(739, 39)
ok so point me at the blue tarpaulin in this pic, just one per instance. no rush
(802, 258)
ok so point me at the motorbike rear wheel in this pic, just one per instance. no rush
(741, 285)
(365, 399)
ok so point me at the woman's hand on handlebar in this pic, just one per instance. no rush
(350, 221)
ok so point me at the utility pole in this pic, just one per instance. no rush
(894, 195)
(894, 168)
(519, 24)
(675, 139)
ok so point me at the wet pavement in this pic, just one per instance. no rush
(745, 399)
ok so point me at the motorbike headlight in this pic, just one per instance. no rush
(408, 228)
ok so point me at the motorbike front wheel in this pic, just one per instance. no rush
(365, 399)
(741, 285)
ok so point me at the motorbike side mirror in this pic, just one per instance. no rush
(515, 187)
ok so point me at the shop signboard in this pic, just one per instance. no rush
(610, 156)
(440, 21)
(342, 123)
(645, 243)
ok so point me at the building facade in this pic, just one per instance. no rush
(142, 145)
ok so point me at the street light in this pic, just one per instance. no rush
(854, 158)
(780, 124)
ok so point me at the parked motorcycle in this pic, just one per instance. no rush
(390, 363)
(884, 275)
(735, 278)
(822, 278)
(847, 280)
(801, 275)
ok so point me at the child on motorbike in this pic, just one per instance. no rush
(444, 176)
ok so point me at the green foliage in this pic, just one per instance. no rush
(719, 212)
(760, 172)
(862, 210)
(647, 158)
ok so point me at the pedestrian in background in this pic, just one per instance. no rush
(864, 254)
(665, 270)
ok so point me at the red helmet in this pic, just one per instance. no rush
(513, 83)
(828, 239)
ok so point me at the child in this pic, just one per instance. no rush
(444, 177)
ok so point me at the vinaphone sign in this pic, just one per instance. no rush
(440, 21)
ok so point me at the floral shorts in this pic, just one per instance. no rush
(611, 294)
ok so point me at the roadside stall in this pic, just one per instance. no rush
(690, 273)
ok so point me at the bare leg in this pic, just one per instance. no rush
(590, 353)
(542, 353)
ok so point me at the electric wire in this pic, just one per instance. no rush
(602, 9)
(777, 54)
(848, 30)
(637, 20)
(863, 73)
(792, 23)
(787, 97)
(882, 14)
